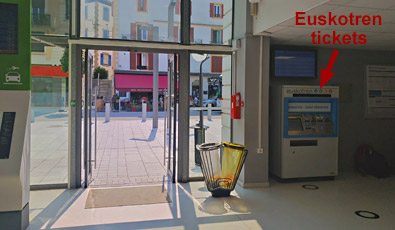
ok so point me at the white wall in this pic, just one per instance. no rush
(51, 56)
(273, 12)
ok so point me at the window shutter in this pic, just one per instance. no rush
(212, 36)
(178, 6)
(138, 63)
(192, 35)
(150, 61)
(211, 10)
(222, 10)
(222, 36)
(145, 5)
(109, 60)
(133, 31)
(150, 35)
(175, 33)
(101, 59)
(133, 63)
(216, 64)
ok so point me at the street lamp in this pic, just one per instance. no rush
(201, 134)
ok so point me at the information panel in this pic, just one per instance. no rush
(15, 48)
(7, 120)
(380, 94)
(8, 28)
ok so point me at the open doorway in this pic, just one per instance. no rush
(129, 118)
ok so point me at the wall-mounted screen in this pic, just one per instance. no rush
(7, 120)
(294, 63)
(8, 28)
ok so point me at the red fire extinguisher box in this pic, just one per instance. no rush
(236, 105)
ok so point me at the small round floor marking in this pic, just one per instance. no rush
(367, 214)
(310, 187)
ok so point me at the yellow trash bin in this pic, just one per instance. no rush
(221, 165)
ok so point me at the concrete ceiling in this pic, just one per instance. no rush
(378, 37)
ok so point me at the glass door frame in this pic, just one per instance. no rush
(75, 109)
(171, 117)
(87, 130)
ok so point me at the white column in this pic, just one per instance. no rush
(155, 91)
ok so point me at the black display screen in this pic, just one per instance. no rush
(7, 120)
(291, 63)
(8, 28)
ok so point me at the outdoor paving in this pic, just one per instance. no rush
(129, 151)
(49, 149)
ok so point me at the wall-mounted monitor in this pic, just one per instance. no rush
(294, 63)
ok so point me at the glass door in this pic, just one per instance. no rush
(171, 100)
(87, 130)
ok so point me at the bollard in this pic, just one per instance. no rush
(32, 116)
(108, 109)
(209, 112)
(144, 112)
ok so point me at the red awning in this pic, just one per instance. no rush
(138, 83)
(47, 71)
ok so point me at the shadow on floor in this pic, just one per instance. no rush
(151, 137)
(51, 213)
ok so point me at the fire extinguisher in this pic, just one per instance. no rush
(236, 105)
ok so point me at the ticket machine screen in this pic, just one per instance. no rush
(7, 120)
(317, 117)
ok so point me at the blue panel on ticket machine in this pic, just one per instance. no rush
(304, 143)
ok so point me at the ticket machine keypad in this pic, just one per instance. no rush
(310, 124)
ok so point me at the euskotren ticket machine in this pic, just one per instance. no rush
(304, 132)
(15, 83)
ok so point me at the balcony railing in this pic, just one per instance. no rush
(41, 19)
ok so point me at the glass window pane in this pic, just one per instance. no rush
(144, 20)
(50, 17)
(49, 109)
(212, 22)
(217, 89)
(106, 14)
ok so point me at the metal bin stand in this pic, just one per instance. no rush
(200, 137)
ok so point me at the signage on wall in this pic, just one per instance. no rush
(15, 45)
(380, 91)
(331, 19)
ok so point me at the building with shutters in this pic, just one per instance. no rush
(148, 24)
(98, 19)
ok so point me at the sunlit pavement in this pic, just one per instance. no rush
(129, 151)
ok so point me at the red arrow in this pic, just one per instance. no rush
(326, 74)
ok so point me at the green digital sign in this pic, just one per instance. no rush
(15, 51)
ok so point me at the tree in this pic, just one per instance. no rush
(64, 60)
(103, 73)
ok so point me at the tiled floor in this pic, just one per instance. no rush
(279, 207)
(49, 149)
(129, 151)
